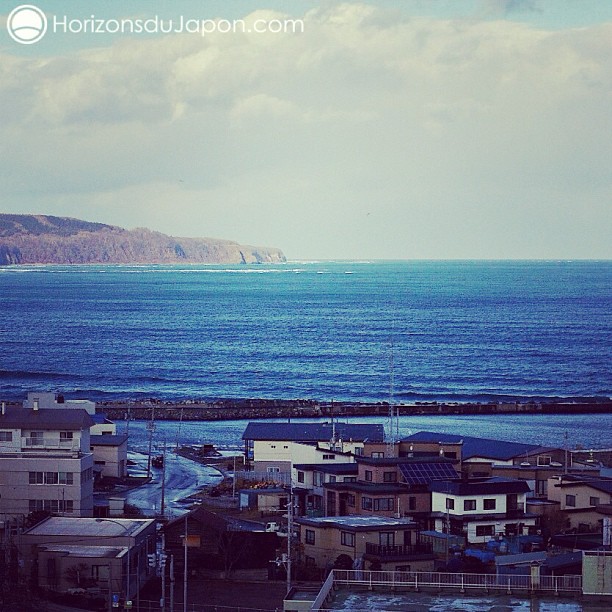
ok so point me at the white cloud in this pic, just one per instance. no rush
(371, 134)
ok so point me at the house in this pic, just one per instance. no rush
(578, 498)
(485, 458)
(45, 462)
(273, 447)
(63, 553)
(110, 455)
(219, 542)
(388, 486)
(481, 508)
(351, 541)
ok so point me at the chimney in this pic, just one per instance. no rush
(35, 404)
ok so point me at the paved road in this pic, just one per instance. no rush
(183, 478)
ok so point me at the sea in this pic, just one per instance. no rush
(401, 331)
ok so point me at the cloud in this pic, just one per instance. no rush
(428, 125)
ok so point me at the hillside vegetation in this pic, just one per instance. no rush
(42, 239)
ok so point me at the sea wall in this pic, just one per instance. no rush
(270, 409)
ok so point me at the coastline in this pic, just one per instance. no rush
(250, 409)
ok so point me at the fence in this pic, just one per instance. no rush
(457, 582)
(153, 606)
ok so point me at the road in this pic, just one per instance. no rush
(183, 478)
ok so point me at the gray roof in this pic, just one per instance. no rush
(108, 440)
(89, 527)
(69, 419)
(478, 447)
(314, 432)
(484, 486)
(353, 522)
(328, 468)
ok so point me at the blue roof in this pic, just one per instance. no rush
(477, 447)
(314, 432)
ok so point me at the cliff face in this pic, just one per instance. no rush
(29, 239)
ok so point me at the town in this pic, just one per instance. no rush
(317, 509)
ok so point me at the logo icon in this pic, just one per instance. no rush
(26, 24)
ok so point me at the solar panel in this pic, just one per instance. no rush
(426, 472)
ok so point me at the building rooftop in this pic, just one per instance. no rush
(328, 468)
(74, 550)
(480, 486)
(108, 440)
(478, 447)
(314, 432)
(357, 522)
(55, 419)
(89, 527)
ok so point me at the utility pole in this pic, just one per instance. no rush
(162, 567)
(151, 428)
(185, 574)
(163, 482)
(171, 583)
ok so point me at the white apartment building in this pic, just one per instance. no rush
(45, 462)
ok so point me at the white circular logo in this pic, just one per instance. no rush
(26, 24)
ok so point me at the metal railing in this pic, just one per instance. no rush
(458, 582)
(326, 589)
(45, 443)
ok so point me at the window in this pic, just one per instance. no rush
(310, 536)
(469, 504)
(271, 469)
(350, 479)
(317, 479)
(377, 455)
(87, 475)
(570, 500)
(347, 539)
(383, 503)
(368, 475)
(6, 436)
(488, 504)
(104, 463)
(386, 538)
(350, 500)
(594, 501)
(450, 503)
(389, 477)
(66, 505)
(412, 503)
(66, 478)
(51, 478)
(36, 438)
(359, 451)
(366, 503)
(300, 476)
(66, 435)
(328, 457)
(450, 454)
(332, 478)
(485, 530)
(544, 459)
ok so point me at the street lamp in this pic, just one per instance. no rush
(127, 586)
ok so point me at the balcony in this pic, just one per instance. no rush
(407, 550)
(49, 443)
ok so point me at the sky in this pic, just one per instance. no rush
(389, 129)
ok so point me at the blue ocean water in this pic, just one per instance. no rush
(421, 330)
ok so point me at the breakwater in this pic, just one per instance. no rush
(220, 410)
